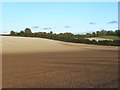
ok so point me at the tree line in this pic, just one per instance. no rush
(70, 37)
(103, 33)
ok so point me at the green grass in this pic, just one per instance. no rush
(109, 37)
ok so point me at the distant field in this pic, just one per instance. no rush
(35, 45)
(109, 37)
(43, 63)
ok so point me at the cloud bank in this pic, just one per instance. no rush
(67, 26)
(92, 23)
(113, 22)
(35, 27)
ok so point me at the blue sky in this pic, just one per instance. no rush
(75, 17)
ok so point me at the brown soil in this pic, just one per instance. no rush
(78, 67)
(61, 69)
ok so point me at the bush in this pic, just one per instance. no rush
(105, 42)
(116, 43)
(87, 41)
(94, 42)
(69, 37)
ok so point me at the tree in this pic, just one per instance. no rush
(22, 33)
(51, 32)
(103, 32)
(93, 34)
(117, 33)
(12, 33)
(28, 32)
(98, 33)
(88, 35)
(110, 32)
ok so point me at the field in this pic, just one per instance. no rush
(42, 63)
(109, 37)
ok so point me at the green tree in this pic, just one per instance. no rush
(103, 32)
(93, 34)
(22, 33)
(117, 33)
(51, 32)
(28, 32)
(110, 32)
(88, 35)
(12, 33)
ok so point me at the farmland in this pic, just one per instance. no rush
(44, 63)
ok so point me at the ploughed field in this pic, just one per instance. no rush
(43, 63)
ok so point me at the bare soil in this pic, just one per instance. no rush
(70, 66)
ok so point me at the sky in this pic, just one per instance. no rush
(59, 17)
